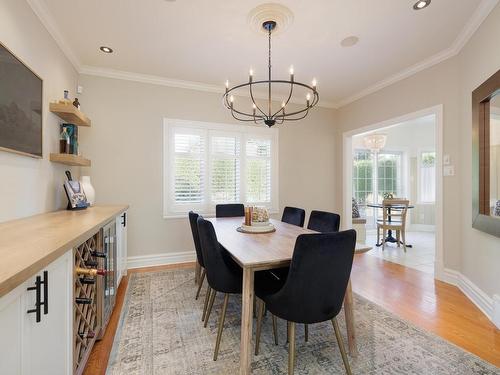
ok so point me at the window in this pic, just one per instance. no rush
(206, 164)
(427, 177)
(374, 175)
(363, 179)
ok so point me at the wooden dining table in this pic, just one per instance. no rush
(258, 252)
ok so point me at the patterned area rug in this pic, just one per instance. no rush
(160, 332)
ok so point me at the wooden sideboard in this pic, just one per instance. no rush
(40, 250)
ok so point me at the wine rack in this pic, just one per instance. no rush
(85, 318)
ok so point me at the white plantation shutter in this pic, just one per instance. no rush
(224, 168)
(189, 167)
(258, 170)
(207, 164)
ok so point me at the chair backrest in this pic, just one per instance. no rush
(220, 275)
(229, 210)
(319, 273)
(294, 215)
(395, 208)
(193, 222)
(322, 221)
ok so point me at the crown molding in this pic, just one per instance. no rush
(477, 18)
(147, 78)
(43, 14)
(170, 82)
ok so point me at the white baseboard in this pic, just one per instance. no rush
(496, 310)
(160, 259)
(421, 228)
(489, 306)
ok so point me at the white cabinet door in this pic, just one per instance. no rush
(11, 328)
(47, 344)
(121, 245)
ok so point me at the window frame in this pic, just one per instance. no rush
(171, 209)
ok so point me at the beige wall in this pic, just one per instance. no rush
(476, 255)
(125, 145)
(30, 186)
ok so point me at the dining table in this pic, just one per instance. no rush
(390, 238)
(265, 251)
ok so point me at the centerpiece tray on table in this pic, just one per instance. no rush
(257, 228)
(258, 218)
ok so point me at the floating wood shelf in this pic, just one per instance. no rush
(70, 114)
(70, 159)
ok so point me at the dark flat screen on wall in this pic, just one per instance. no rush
(20, 107)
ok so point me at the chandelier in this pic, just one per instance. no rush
(270, 116)
(375, 142)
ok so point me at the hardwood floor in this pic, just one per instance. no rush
(410, 294)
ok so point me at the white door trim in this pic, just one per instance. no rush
(347, 174)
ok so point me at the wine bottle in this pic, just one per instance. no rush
(83, 300)
(89, 271)
(87, 280)
(88, 335)
(97, 254)
(91, 263)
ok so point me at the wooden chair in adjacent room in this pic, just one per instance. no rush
(393, 218)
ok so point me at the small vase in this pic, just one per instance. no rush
(88, 189)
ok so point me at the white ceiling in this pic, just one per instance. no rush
(209, 41)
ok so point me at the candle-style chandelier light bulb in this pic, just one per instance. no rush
(270, 116)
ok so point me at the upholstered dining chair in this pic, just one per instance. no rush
(223, 274)
(229, 210)
(193, 217)
(294, 215)
(394, 212)
(315, 287)
(322, 221)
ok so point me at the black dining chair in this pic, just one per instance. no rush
(294, 215)
(223, 274)
(322, 221)
(229, 210)
(193, 221)
(315, 287)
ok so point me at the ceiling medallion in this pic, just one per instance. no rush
(270, 116)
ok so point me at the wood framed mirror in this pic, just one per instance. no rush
(486, 156)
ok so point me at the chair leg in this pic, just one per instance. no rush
(260, 316)
(384, 236)
(291, 348)
(203, 273)
(205, 305)
(341, 346)
(275, 330)
(221, 325)
(210, 305)
(398, 238)
(403, 235)
(378, 234)
(197, 270)
(306, 332)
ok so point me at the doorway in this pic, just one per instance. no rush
(407, 165)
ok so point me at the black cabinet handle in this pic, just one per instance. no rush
(38, 292)
(124, 219)
(36, 288)
(45, 283)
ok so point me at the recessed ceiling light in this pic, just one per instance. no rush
(349, 41)
(421, 4)
(106, 49)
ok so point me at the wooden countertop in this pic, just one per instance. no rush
(30, 244)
